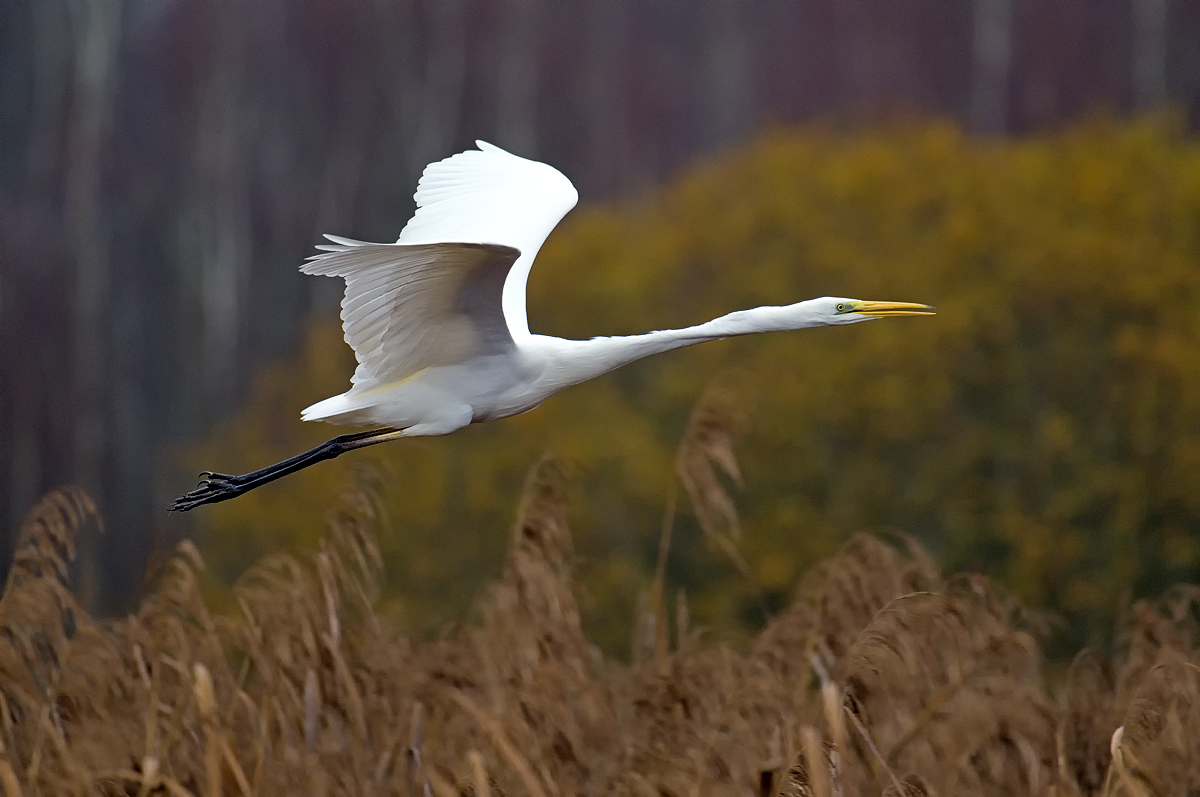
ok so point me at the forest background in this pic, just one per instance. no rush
(165, 166)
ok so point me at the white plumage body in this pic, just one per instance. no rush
(429, 365)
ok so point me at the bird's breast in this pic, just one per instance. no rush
(494, 386)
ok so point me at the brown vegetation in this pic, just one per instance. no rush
(881, 677)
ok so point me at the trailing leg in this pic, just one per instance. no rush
(216, 487)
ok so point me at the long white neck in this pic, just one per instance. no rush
(574, 361)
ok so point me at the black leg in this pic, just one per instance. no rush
(216, 487)
(311, 456)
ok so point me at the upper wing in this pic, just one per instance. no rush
(410, 307)
(490, 196)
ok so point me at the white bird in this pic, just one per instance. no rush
(437, 319)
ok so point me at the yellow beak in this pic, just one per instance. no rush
(889, 309)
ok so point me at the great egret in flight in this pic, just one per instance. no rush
(437, 319)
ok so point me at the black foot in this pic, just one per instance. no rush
(213, 487)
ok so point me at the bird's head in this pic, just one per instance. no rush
(834, 310)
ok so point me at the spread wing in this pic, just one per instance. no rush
(413, 306)
(490, 196)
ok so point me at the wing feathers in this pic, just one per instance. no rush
(410, 307)
(453, 285)
(487, 195)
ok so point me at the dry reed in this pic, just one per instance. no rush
(881, 677)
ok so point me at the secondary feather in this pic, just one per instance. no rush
(411, 307)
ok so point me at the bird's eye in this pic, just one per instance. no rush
(841, 308)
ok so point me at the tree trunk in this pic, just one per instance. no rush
(1150, 53)
(729, 89)
(439, 93)
(604, 98)
(95, 32)
(856, 58)
(991, 66)
(517, 77)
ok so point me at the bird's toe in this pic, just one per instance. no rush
(210, 490)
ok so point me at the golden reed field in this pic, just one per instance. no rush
(883, 676)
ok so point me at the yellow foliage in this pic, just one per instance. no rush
(1044, 426)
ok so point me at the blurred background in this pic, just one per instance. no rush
(1029, 166)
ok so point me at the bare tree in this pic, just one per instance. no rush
(24, 448)
(95, 36)
(420, 61)
(991, 66)
(604, 96)
(432, 98)
(1150, 52)
(95, 27)
(856, 55)
(517, 76)
(730, 96)
(217, 248)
